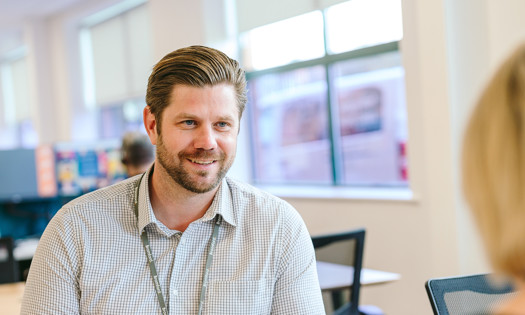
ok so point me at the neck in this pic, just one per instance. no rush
(172, 204)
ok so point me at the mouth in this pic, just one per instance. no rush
(202, 162)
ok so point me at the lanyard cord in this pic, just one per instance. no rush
(153, 268)
(209, 259)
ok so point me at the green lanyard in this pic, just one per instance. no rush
(153, 268)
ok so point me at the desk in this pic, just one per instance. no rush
(334, 276)
(25, 249)
(331, 277)
(23, 252)
(11, 297)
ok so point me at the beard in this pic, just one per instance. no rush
(198, 181)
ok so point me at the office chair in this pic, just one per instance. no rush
(8, 264)
(473, 294)
(345, 248)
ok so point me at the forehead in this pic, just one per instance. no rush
(219, 98)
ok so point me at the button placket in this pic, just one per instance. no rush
(175, 272)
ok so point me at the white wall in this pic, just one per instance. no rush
(480, 35)
(449, 49)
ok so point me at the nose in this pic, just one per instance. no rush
(205, 138)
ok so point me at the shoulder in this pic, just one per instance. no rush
(256, 205)
(244, 193)
(106, 202)
(123, 190)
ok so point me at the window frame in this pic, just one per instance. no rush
(335, 148)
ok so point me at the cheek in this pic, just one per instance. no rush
(229, 143)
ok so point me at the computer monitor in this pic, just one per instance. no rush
(27, 174)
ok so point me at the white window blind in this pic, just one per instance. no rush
(16, 97)
(138, 23)
(255, 13)
(121, 56)
(21, 89)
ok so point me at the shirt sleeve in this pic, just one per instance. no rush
(297, 289)
(52, 286)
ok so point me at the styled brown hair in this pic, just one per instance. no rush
(194, 66)
(494, 166)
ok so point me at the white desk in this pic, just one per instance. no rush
(331, 276)
(25, 249)
(335, 276)
(11, 297)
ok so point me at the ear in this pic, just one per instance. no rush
(150, 123)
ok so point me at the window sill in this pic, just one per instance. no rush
(344, 193)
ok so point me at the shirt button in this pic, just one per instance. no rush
(175, 292)
(183, 241)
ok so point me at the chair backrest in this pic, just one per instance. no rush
(472, 294)
(8, 264)
(345, 248)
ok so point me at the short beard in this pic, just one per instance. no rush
(179, 175)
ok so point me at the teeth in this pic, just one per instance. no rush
(201, 162)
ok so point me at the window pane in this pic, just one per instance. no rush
(290, 127)
(363, 23)
(115, 120)
(296, 39)
(369, 101)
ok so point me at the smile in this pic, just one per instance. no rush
(202, 162)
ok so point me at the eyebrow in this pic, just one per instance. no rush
(195, 117)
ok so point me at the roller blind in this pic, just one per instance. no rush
(16, 103)
(20, 90)
(121, 56)
(255, 13)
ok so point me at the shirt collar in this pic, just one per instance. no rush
(222, 204)
(145, 211)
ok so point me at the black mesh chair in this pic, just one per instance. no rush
(8, 264)
(473, 294)
(345, 248)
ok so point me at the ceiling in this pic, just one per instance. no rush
(14, 12)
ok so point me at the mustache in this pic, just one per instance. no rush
(202, 155)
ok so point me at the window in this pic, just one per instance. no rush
(16, 121)
(260, 45)
(328, 108)
(362, 23)
(117, 59)
(290, 126)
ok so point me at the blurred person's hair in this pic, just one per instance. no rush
(197, 66)
(137, 152)
(493, 164)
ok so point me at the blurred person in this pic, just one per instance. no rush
(494, 173)
(137, 153)
(182, 238)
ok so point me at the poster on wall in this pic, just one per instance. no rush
(81, 169)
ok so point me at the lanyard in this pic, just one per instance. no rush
(153, 268)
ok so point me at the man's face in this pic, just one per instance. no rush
(198, 140)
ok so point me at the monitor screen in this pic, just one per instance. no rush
(27, 174)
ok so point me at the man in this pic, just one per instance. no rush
(182, 238)
(137, 153)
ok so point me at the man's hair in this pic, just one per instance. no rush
(197, 66)
(494, 166)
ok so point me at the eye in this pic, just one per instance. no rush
(189, 122)
(222, 124)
